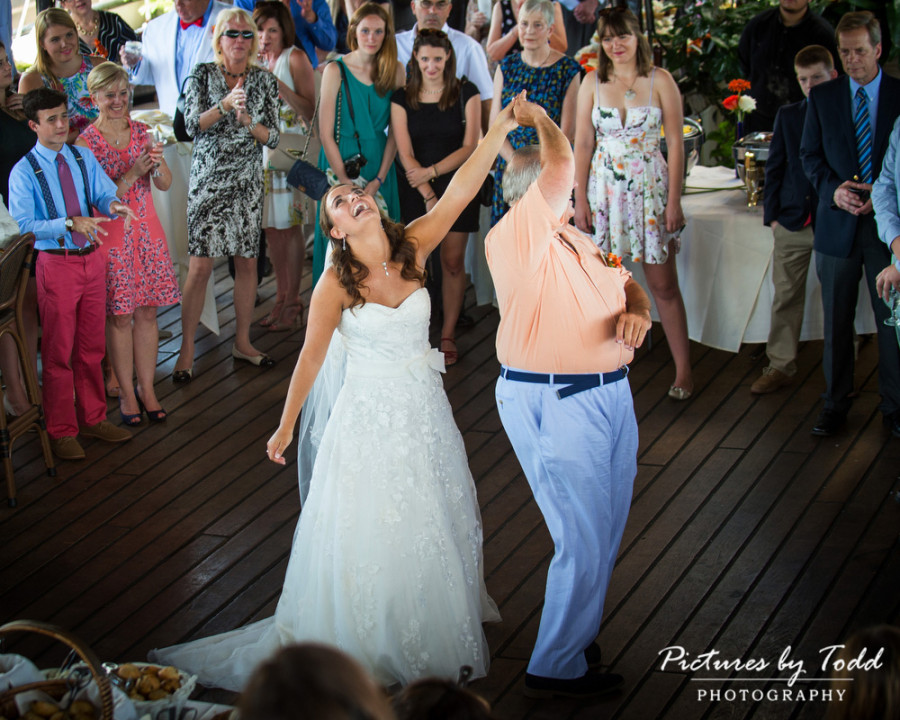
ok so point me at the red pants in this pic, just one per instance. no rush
(71, 292)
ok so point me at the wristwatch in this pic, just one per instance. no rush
(70, 224)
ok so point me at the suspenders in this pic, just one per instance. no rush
(45, 187)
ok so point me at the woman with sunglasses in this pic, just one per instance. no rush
(355, 113)
(436, 120)
(625, 194)
(231, 109)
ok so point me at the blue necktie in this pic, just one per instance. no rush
(863, 136)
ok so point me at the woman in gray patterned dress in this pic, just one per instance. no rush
(231, 109)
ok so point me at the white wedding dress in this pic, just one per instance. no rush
(386, 562)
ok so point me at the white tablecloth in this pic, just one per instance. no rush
(171, 207)
(725, 268)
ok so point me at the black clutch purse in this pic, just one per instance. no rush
(178, 126)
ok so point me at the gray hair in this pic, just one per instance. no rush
(544, 7)
(523, 169)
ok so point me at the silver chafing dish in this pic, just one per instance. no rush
(757, 143)
(693, 141)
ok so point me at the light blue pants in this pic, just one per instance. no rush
(579, 455)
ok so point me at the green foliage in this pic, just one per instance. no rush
(701, 48)
(723, 137)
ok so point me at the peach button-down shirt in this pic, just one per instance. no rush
(559, 301)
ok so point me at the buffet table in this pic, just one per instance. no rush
(171, 207)
(725, 268)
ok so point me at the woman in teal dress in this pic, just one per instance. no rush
(551, 78)
(370, 75)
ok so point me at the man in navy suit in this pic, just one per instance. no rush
(789, 205)
(845, 136)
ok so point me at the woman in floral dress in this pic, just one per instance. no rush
(550, 77)
(283, 214)
(61, 66)
(139, 273)
(625, 194)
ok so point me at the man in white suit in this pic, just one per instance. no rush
(171, 46)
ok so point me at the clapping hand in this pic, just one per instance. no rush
(237, 100)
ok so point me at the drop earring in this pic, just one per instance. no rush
(345, 243)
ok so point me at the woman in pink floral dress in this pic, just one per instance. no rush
(139, 275)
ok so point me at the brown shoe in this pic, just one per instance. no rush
(107, 432)
(770, 381)
(67, 448)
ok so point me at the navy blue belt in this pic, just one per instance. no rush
(574, 383)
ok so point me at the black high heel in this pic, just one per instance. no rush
(154, 416)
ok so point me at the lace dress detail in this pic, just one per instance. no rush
(386, 562)
(628, 184)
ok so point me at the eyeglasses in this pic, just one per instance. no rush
(428, 4)
(234, 34)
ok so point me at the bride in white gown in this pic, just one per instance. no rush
(386, 562)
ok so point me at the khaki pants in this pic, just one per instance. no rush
(790, 265)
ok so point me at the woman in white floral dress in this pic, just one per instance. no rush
(282, 213)
(625, 194)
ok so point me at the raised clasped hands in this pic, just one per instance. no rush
(527, 114)
(278, 443)
(506, 120)
(847, 200)
(632, 328)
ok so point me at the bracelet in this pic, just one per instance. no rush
(434, 170)
(253, 124)
(125, 180)
(380, 181)
(221, 108)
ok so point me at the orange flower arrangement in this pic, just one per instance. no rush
(613, 261)
(738, 103)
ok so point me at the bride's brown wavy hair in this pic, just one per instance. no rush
(350, 271)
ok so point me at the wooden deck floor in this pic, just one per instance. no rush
(746, 534)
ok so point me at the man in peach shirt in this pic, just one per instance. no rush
(569, 323)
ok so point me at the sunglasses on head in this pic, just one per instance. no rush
(234, 34)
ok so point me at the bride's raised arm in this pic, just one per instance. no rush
(428, 230)
(325, 309)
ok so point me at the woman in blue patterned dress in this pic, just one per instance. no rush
(550, 77)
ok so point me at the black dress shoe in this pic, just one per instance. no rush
(587, 686)
(593, 655)
(828, 423)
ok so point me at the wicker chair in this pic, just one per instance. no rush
(15, 265)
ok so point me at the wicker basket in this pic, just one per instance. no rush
(56, 688)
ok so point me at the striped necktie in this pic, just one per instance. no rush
(863, 136)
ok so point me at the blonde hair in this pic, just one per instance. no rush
(230, 15)
(104, 75)
(386, 57)
(42, 23)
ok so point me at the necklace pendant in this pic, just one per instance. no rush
(630, 94)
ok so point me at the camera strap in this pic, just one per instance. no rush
(346, 92)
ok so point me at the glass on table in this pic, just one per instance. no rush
(132, 52)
